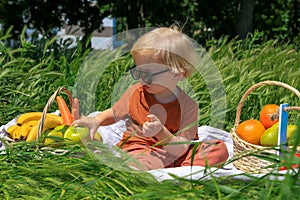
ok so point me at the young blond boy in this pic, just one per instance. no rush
(161, 118)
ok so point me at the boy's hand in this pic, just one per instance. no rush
(152, 127)
(90, 122)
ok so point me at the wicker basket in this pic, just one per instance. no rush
(8, 141)
(242, 149)
(48, 105)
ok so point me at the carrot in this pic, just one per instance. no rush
(65, 113)
(75, 108)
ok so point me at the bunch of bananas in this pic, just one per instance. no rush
(27, 125)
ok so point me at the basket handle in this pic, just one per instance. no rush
(48, 105)
(257, 85)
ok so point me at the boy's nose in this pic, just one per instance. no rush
(142, 82)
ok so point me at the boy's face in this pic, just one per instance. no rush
(159, 74)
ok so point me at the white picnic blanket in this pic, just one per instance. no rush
(112, 134)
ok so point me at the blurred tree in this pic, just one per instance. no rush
(138, 13)
(244, 18)
(11, 14)
(204, 19)
(278, 19)
(201, 19)
(48, 16)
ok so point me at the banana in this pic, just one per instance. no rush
(26, 128)
(26, 117)
(12, 130)
(17, 134)
(48, 124)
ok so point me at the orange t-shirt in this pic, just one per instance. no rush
(136, 103)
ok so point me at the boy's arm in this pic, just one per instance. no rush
(155, 128)
(166, 137)
(102, 119)
(106, 118)
(188, 131)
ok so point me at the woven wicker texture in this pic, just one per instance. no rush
(242, 148)
(48, 105)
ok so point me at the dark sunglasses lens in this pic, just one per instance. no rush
(147, 78)
(135, 73)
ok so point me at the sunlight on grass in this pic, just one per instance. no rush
(31, 73)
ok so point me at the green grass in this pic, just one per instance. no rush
(31, 73)
(27, 173)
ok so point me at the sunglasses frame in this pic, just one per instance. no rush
(142, 74)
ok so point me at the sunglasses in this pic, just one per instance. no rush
(145, 76)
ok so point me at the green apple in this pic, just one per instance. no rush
(61, 128)
(290, 131)
(54, 138)
(269, 137)
(76, 134)
(275, 126)
(98, 137)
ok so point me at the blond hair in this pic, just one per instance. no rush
(171, 47)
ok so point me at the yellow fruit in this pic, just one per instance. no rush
(61, 128)
(54, 138)
(26, 128)
(12, 129)
(26, 117)
(290, 131)
(276, 125)
(49, 123)
(269, 137)
(14, 132)
(98, 137)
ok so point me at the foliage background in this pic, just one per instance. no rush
(202, 20)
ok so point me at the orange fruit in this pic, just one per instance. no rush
(268, 115)
(250, 131)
